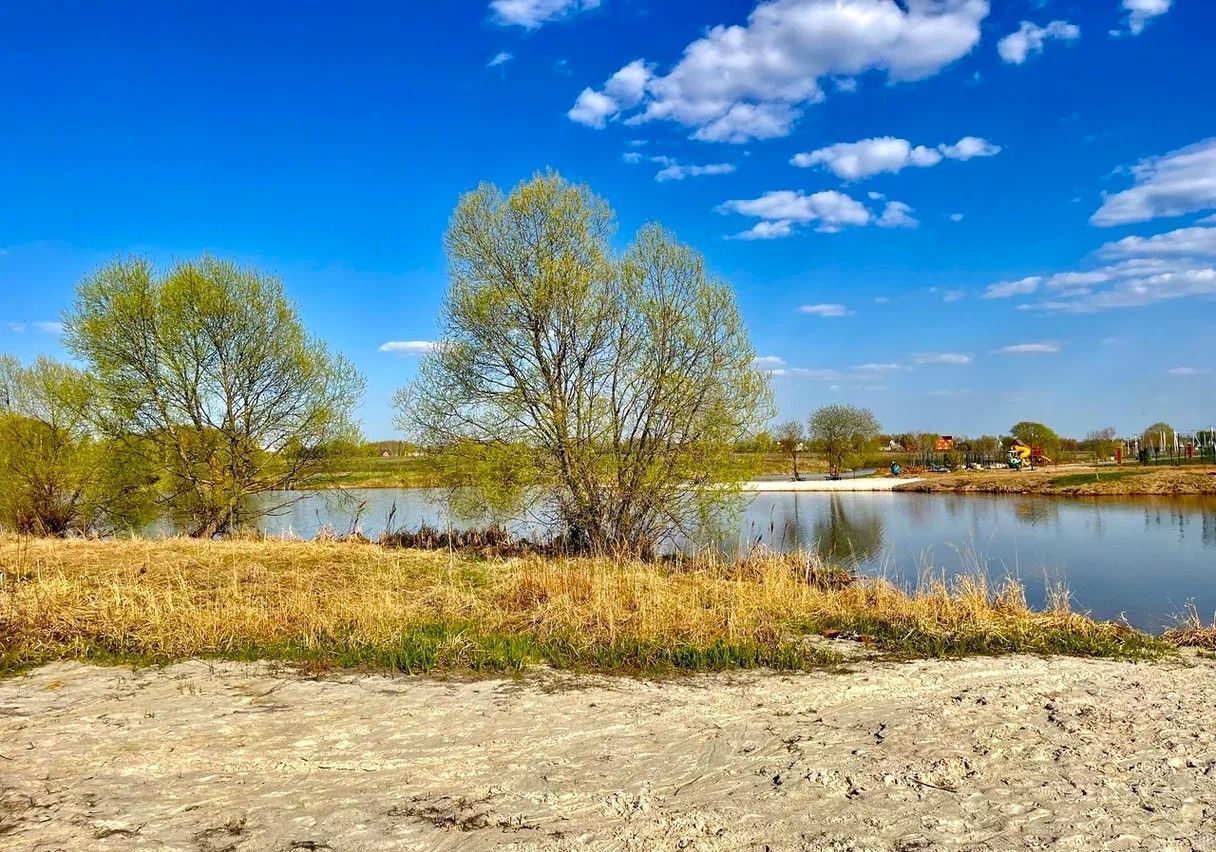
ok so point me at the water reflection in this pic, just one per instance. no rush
(848, 532)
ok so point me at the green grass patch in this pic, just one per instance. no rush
(453, 648)
(1074, 637)
(1074, 479)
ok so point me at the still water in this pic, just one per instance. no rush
(1144, 559)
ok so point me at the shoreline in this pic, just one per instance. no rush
(859, 484)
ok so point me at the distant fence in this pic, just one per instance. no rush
(964, 458)
(1173, 455)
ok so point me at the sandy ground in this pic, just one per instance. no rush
(1017, 753)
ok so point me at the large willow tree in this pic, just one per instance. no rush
(606, 389)
(208, 373)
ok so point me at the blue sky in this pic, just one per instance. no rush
(956, 212)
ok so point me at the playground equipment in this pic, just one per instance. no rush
(1021, 455)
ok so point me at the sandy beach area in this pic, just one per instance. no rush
(992, 754)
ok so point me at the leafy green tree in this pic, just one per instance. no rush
(988, 445)
(1159, 435)
(1037, 435)
(209, 374)
(1102, 442)
(842, 433)
(789, 438)
(605, 391)
(56, 475)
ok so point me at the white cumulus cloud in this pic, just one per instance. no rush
(531, 14)
(623, 90)
(751, 81)
(1029, 38)
(832, 210)
(866, 157)
(896, 215)
(1141, 11)
(1182, 181)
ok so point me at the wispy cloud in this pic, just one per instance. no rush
(1020, 287)
(500, 58)
(767, 362)
(408, 347)
(44, 326)
(1189, 371)
(675, 170)
(531, 14)
(1176, 183)
(825, 310)
(1045, 347)
(942, 358)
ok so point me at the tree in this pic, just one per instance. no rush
(1037, 435)
(1160, 436)
(1102, 442)
(208, 373)
(925, 443)
(56, 475)
(605, 391)
(987, 445)
(789, 438)
(842, 431)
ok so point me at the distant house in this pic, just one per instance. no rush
(386, 455)
(945, 443)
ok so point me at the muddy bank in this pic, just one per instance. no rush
(1015, 753)
(1128, 481)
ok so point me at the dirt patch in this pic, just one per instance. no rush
(994, 754)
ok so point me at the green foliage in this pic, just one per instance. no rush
(207, 373)
(606, 390)
(56, 475)
(842, 433)
(1102, 442)
(1037, 435)
(1159, 435)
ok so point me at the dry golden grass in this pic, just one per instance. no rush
(1192, 632)
(347, 603)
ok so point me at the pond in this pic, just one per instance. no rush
(1140, 558)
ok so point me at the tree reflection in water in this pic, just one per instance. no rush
(1034, 513)
(849, 535)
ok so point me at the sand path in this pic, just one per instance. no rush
(1017, 753)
